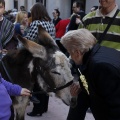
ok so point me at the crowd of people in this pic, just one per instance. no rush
(92, 42)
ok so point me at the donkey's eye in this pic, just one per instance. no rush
(56, 72)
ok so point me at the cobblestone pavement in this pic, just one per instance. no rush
(56, 111)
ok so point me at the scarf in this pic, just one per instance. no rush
(6, 32)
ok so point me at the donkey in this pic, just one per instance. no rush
(43, 63)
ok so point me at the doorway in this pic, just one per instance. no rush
(16, 4)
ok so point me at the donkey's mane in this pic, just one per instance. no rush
(20, 57)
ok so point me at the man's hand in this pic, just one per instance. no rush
(25, 92)
(78, 21)
(75, 89)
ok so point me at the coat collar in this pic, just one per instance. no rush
(111, 14)
(88, 55)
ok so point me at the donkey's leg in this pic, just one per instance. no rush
(12, 113)
(21, 107)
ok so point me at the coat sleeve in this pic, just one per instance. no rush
(106, 80)
(72, 24)
(7, 32)
(13, 89)
(33, 31)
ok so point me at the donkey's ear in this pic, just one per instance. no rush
(43, 34)
(36, 49)
(40, 28)
(45, 38)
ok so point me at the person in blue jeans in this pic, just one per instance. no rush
(8, 89)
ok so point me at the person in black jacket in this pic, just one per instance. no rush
(56, 15)
(100, 73)
(77, 13)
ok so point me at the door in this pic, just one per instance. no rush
(42, 1)
(16, 4)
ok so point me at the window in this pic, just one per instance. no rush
(16, 4)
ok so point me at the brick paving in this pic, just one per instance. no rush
(56, 111)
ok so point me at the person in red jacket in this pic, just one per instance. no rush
(60, 31)
(61, 27)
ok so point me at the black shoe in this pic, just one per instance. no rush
(34, 99)
(32, 114)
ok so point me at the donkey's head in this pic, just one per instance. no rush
(53, 67)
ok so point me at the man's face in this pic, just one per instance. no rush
(106, 3)
(76, 56)
(75, 8)
(2, 9)
(55, 14)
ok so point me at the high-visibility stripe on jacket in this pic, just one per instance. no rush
(97, 25)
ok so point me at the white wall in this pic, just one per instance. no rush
(20, 3)
(65, 8)
(63, 5)
(30, 4)
(9, 4)
(90, 4)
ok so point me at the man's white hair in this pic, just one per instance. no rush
(80, 39)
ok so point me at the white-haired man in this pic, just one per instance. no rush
(96, 23)
(101, 70)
